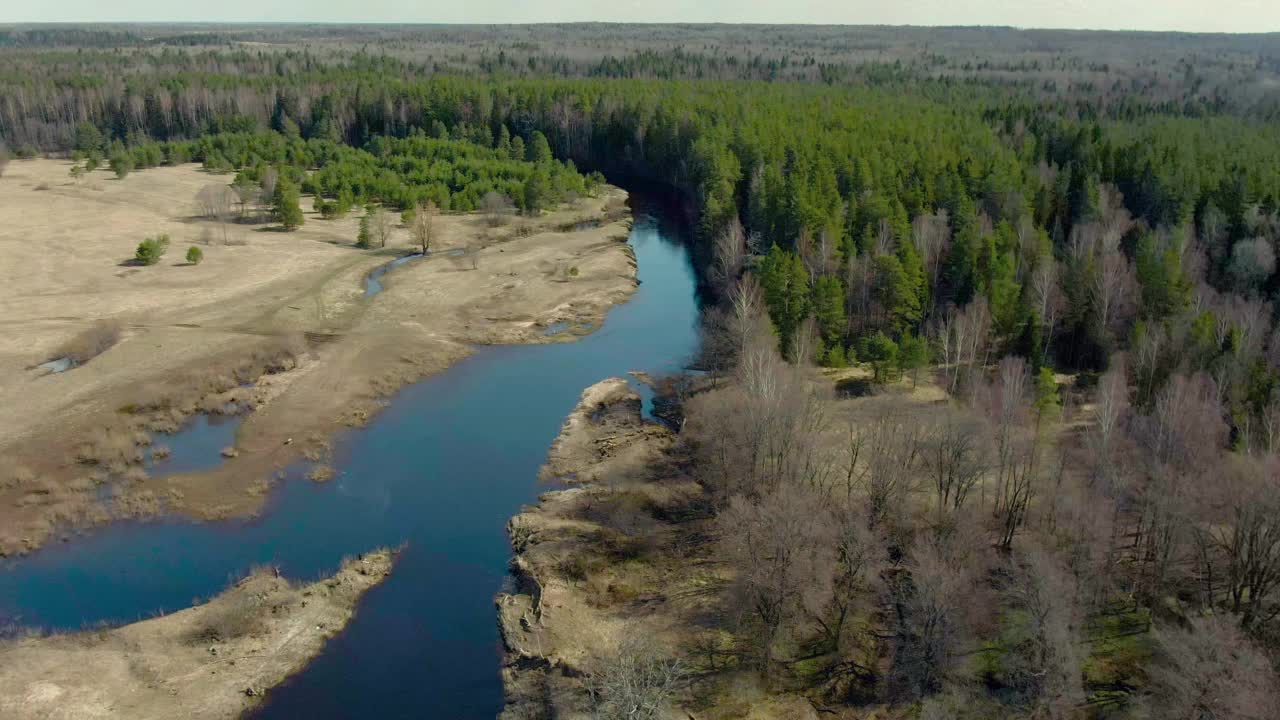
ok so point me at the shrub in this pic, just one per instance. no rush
(151, 250)
(94, 341)
(194, 255)
(121, 164)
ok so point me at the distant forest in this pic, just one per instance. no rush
(1104, 206)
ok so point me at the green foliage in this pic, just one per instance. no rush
(121, 164)
(835, 356)
(786, 291)
(882, 352)
(828, 309)
(1046, 401)
(539, 148)
(913, 354)
(364, 239)
(151, 250)
(194, 255)
(1166, 289)
(285, 207)
(897, 293)
(537, 192)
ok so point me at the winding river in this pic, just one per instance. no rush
(440, 470)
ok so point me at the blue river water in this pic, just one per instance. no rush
(440, 471)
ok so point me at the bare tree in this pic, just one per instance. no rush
(728, 257)
(963, 335)
(858, 550)
(931, 235)
(1009, 409)
(497, 208)
(636, 683)
(1246, 530)
(423, 225)
(247, 194)
(270, 177)
(1041, 662)
(1210, 671)
(762, 431)
(381, 224)
(955, 453)
(1113, 287)
(781, 549)
(931, 621)
(214, 202)
(1047, 298)
(883, 456)
(1107, 414)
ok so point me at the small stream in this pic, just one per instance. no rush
(373, 281)
(440, 470)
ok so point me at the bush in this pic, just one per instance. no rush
(121, 164)
(194, 255)
(91, 343)
(151, 250)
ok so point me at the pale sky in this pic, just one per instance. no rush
(1186, 15)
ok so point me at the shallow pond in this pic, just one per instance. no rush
(196, 446)
(440, 470)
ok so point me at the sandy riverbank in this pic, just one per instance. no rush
(210, 661)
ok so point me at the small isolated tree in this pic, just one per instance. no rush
(213, 202)
(882, 352)
(380, 225)
(497, 208)
(270, 178)
(364, 237)
(194, 255)
(913, 354)
(423, 225)
(151, 250)
(247, 194)
(121, 164)
(286, 209)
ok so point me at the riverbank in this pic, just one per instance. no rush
(616, 580)
(210, 661)
(594, 563)
(275, 325)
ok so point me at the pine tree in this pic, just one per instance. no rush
(285, 206)
(786, 291)
(364, 238)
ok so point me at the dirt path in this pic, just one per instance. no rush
(210, 661)
(284, 311)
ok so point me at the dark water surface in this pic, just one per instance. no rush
(441, 469)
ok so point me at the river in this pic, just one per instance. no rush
(440, 470)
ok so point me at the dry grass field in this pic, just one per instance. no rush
(286, 312)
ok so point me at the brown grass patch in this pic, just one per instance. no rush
(90, 343)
